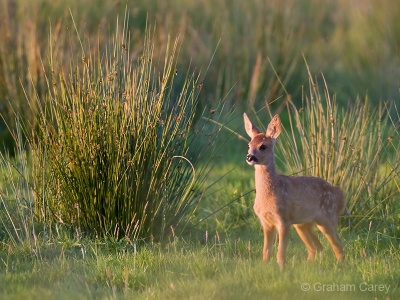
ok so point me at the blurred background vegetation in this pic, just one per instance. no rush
(251, 45)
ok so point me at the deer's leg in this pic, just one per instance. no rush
(283, 232)
(329, 230)
(268, 241)
(268, 230)
(309, 238)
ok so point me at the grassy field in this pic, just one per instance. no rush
(217, 268)
(220, 258)
(123, 173)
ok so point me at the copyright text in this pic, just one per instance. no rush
(345, 287)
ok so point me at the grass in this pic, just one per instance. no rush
(220, 259)
(218, 269)
(110, 155)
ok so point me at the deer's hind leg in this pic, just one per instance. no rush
(309, 238)
(328, 228)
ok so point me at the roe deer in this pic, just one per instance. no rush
(285, 200)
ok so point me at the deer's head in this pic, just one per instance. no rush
(261, 146)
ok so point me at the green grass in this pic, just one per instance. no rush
(219, 259)
(111, 148)
(180, 269)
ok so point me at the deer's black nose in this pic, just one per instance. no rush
(251, 158)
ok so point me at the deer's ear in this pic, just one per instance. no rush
(274, 127)
(251, 129)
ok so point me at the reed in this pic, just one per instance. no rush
(354, 147)
(110, 151)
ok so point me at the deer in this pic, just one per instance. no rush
(282, 201)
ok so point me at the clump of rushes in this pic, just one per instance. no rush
(110, 156)
(354, 147)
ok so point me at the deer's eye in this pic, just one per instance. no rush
(263, 147)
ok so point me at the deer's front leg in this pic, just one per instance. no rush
(269, 233)
(283, 232)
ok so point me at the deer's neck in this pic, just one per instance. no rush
(265, 176)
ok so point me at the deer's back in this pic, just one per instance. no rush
(299, 199)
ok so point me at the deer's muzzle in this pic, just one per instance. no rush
(251, 158)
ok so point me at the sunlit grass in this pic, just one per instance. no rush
(223, 269)
(111, 147)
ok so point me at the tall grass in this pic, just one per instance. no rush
(353, 147)
(17, 206)
(110, 154)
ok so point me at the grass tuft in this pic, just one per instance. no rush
(110, 153)
(352, 148)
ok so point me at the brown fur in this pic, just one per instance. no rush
(282, 201)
